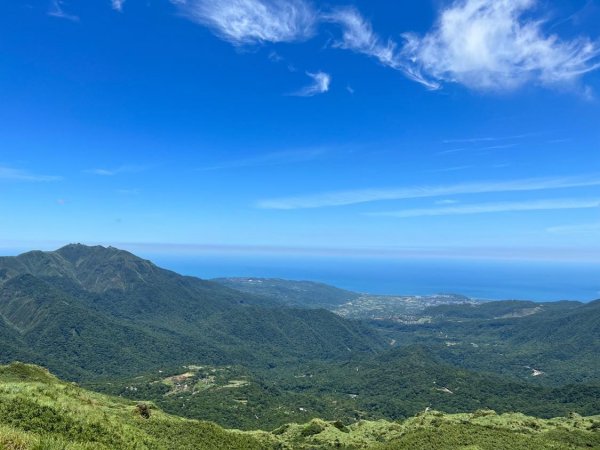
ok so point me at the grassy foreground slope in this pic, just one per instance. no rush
(482, 430)
(38, 411)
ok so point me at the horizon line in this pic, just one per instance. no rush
(517, 253)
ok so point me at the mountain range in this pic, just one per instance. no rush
(260, 353)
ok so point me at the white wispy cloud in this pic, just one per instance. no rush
(498, 45)
(482, 44)
(475, 140)
(583, 228)
(351, 197)
(10, 174)
(447, 201)
(253, 21)
(475, 149)
(115, 171)
(450, 169)
(320, 85)
(269, 159)
(57, 10)
(117, 5)
(358, 36)
(486, 208)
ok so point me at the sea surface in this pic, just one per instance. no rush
(493, 280)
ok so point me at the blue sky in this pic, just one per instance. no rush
(466, 128)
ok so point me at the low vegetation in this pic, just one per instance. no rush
(38, 411)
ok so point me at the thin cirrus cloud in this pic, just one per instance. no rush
(475, 140)
(481, 44)
(320, 84)
(487, 208)
(352, 197)
(498, 45)
(57, 10)
(269, 159)
(358, 36)
(244, 22)
(10, 174)
(583, 228)
(475, 149)
(116, 171)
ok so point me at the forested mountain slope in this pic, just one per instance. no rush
(95, 311)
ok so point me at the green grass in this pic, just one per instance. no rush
(481, 430)
(40, 412)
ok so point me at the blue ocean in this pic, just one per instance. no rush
(493, 280)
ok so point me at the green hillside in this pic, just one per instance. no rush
(38, 411)
(88, 312)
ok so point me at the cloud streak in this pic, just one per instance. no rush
(269, 159)
(352, 197)
(244, 22)
(56, 10)
(358, 36)
(476, 140)
(584, 228)
(497, 45)
(320, 85)
(116, 171)
(10, 174)
(487, 208)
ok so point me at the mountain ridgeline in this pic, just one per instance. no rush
(94, 311)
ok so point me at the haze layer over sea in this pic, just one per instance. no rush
(484, 279)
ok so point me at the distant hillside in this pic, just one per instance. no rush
(95, 311)
(506, 309)
(548, 343)
(38, 411)
(301, 294)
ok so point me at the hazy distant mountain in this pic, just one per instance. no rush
(348, 304)
(302, 294)
(95, 310)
